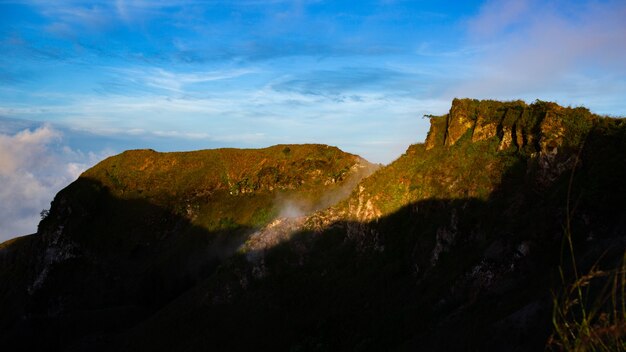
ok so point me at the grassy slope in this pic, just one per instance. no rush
(461, 254)
(141, 227)
(474, 169)
(189, 183)
(493, 216)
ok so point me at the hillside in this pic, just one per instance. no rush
(140, 228)
(462, 243)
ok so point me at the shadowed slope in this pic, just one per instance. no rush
(454, 246)
(395, 267)
(140, 228)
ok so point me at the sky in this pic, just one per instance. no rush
(83, 80)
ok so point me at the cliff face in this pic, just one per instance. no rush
(478, 214)
(469, 150)
(534, 127)
(456, 245)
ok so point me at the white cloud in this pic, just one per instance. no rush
(34, 166)
(255, 116)
(159, 78)
(545, 49)
(496, 16)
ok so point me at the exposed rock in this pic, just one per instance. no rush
(484, 129)
(520, 137)
(552, 131)
(514, 123)
(460, 120)
(437, 133)
(323, 219)
(279, 230)
(57, 250)
(444, 238)
(509, 137)
(363, 209)
(551, 165)
(451, 249)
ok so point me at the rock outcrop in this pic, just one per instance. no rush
(454, 246)
(516, 124)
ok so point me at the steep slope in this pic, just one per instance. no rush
(454, 246)
(140, 228)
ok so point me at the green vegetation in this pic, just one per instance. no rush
(447, 248)
(461, 171)
(453, 246)
(140, 228)
(244, 183)
(478, 159)
(590, 312)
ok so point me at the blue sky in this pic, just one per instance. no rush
(81, 80)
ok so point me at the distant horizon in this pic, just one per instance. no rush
(44, 133)
(33, 125)
(81, 80)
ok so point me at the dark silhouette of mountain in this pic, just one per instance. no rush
(140, 228)
(462, 243)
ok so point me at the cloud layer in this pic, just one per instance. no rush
(193, 74)
(35, 166)
(255, 73)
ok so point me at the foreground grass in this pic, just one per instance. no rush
(590, 313)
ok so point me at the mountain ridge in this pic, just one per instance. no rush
(412, 258)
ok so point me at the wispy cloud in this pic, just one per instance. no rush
(498, 16)
(197, 31)
(340, 112)
(162, 79)
(346, 80)
(189, 74)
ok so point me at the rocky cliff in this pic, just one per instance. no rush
(456, 245)
(536, 127)
(470, 150)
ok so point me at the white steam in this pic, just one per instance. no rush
(291, 208)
